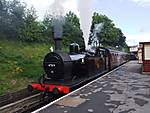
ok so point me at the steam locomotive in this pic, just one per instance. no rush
(66, 70)
(63, 71)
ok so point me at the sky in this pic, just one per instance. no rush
(131, 16)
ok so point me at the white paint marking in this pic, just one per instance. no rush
(44, 107)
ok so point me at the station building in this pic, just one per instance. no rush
(145, 56)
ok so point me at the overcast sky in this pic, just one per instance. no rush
(132, 16)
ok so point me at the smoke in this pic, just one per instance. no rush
(56, 8)
(97, 29)
(56, 12)
(85, 13)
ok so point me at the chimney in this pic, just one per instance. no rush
(58, 31)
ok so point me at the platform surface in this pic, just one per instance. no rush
(125, 90)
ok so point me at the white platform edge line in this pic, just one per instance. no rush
(38, 110)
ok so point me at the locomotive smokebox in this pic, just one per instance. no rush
(58, 32)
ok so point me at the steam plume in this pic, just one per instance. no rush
(85, 13)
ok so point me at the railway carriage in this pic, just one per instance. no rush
(117, 58)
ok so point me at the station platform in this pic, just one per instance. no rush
(123, 90)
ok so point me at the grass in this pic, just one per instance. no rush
(20, 64)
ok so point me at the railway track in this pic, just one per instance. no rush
(26, 105)
(15, 96)
(21, 101)
(20, 105)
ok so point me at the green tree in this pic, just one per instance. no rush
(31, 31)
(17, 14)
(47, 31)
(72, 32)
(3, 15)
(11, 18)
(109, 35)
